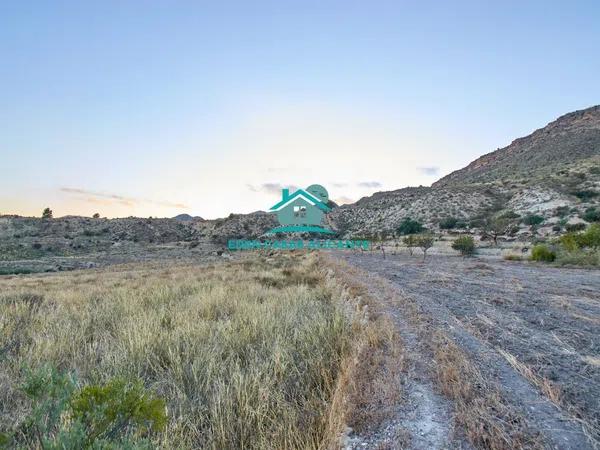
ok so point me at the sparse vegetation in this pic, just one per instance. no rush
(411, 242)
(465, 245)
(244, 355)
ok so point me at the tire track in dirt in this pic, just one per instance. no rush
(381, 277)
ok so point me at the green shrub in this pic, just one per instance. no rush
(585, 194)
(409, 226)
(465, 245)
(448, 223)
(542, 252)
(591, 237)
(533, 219)
(591, 215)
(572, 227)
(118, 414)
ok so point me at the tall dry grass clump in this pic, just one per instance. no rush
(245, 354)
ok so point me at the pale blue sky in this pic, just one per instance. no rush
(156, 108)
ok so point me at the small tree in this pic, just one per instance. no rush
(47, 214)
(425, 242)
(465, 245)
(410, 242)
(96, 216)
(496, 227)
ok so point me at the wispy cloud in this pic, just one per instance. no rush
(339, 185)
(430, 170)
(271, 188)
(106, 198)
(369, 184)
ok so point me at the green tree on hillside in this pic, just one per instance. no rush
(409, 226)
(47, 214)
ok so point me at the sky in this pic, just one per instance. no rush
(157, 108)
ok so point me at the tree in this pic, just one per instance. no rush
(410, 243)
(425, 242)
(96, 216)
(465, 245)
(47, 214)
(496, 227)
(409, 226)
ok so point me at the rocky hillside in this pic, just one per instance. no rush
(571, 141)
(543, 184)
(29, 237)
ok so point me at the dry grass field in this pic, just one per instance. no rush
(247, 354)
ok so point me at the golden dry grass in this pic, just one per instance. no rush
(250, 354)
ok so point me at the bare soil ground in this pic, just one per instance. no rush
(524, 339)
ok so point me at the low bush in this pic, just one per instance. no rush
(585, 194)
(542, 252)
(533, 219)
(448, 223)
(591, 215)
(465, 245)
(118, 414)
(571, 227)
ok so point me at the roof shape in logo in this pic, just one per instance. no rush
(300, 193)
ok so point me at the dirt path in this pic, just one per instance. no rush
(532, 330)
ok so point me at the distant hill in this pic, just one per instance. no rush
(187, 218)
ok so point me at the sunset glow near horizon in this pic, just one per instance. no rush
(157, 109)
